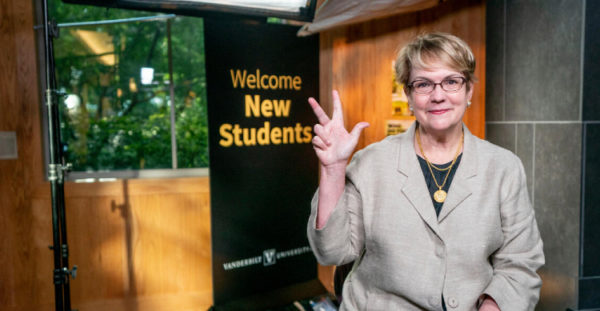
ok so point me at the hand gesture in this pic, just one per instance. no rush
(332, 143)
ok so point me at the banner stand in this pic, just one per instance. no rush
(263, 169)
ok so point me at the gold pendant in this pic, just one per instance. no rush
(439, 196)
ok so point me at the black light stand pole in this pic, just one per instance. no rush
(56, 170)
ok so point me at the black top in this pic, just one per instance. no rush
(439, 176)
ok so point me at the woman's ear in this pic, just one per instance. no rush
(408, 96)
(470, 92)
(406, 90)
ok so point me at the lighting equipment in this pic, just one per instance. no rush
(56, 171)
(301, 10)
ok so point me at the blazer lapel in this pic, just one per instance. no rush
(460, 188)
(414, 187)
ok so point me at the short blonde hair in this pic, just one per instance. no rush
(426, 49)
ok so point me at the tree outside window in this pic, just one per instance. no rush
(113, 117)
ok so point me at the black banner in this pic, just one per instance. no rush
(263, 170)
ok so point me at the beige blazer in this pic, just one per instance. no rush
(485, 239)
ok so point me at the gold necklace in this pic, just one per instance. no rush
(440, 169)
(440, 195)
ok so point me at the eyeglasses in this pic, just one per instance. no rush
(451, 85)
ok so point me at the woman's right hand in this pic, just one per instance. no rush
(332, 142)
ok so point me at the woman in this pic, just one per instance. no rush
(437, 218)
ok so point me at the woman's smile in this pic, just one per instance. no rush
(439, 111)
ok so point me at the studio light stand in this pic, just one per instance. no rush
(56, 173)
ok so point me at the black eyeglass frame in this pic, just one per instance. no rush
(463, 79)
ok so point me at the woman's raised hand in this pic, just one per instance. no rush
(332, 142)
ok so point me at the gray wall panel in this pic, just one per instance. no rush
(502, 135)
(494, 93)
(591, 210)
(557, 205)
(524, 150)
(543, 39)
(591, 91)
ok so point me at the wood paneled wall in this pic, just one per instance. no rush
(139, 244)
(145, 244)
(357, 61)
(19, 112)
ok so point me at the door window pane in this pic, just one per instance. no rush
(117, 82)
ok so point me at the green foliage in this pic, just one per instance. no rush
(111, 120)
(122, 143)
(192, 137)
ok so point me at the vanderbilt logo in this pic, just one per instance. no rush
(269, 257)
